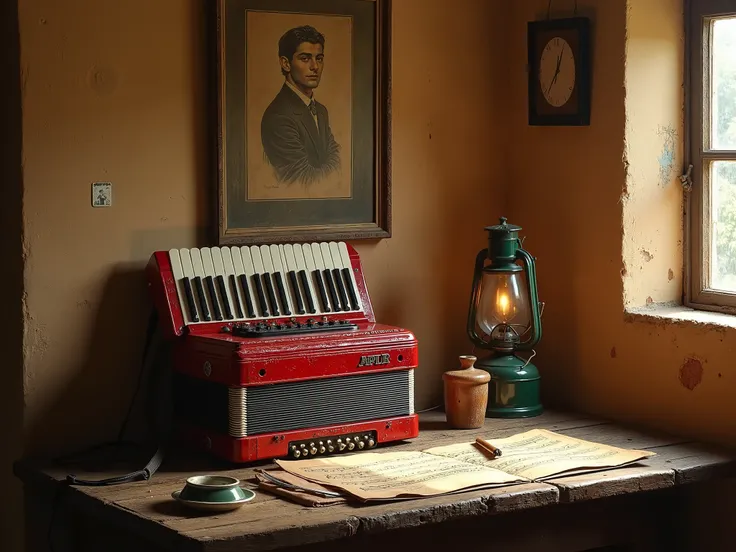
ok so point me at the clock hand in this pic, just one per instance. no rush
(559, 59)
(554, 79)
(557, 69)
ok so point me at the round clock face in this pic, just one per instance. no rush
(557, 72)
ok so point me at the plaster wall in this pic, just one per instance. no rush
(601, 208)
(118, 92)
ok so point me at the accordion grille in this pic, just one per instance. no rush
(319, 402)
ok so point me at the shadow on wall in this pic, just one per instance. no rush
(91, 407)
(11, 278)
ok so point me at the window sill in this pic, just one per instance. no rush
(660, 312)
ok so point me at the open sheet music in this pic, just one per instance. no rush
(530, 456)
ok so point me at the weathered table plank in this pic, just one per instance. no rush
(306, 525)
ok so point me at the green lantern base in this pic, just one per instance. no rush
(513, 391)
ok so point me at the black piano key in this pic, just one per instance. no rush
(297, 293)
(351, 289)
(213, 295)
(236, 296)
(193, 315)
(340, 289)
(321, 289)
(202, 299)
(270, 293)
(250, 311)
(282, 294)
(307, 291)
(331, 290)
(261, 296)
(223, 292)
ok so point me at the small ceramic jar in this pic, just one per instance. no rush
(466, 394)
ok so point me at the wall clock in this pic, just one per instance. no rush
(559, 71)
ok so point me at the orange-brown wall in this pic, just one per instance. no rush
(602, 221)
(117, 91)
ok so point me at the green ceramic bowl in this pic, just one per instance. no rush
(212, 488)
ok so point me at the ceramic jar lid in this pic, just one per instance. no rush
(468, 373)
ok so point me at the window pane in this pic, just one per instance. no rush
(723, 108)
(723, 236)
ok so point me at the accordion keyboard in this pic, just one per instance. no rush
(261, 283)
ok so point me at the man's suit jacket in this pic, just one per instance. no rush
(292, 143)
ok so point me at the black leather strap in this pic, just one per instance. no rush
(148, 364)
(153, 464)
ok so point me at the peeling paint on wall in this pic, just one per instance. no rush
(691, 373)
(670, 275)
(667, 157)
(647, 255)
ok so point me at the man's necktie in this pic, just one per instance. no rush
(312, 108)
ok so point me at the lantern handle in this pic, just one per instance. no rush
(531, 279)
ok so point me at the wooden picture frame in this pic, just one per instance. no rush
(280, 179)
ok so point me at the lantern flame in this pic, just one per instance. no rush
(503, 305)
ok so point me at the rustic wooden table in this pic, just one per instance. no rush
(632, 508)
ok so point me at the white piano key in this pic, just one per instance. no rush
(268, 268)
(225, 299)
(258, 269)
(255, 253)
(335, 254)
(266, 258)
(310, 267)
(199, 271)
(186, 265)
(287, 282)
(238, 269)
(209, 270)
(279, 267)
(235, 303)
(248, 270)
(326, 255)
(320, 265)
(345, 256)
(339, 284)
(288, 257)
(178, 272)
(209, 267)
(329, 265)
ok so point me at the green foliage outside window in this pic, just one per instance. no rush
(724, 172)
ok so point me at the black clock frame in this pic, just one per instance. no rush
(581, 25)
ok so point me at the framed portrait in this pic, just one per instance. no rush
(304, 120)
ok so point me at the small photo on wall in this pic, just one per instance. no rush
(101, 194)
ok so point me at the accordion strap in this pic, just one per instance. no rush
(153, 464)
(147, 366)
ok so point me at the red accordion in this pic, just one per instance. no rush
(277, 353)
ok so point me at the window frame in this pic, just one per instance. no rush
(698, 294)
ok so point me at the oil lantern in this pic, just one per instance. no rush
(505, 317)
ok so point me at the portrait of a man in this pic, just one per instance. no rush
(297, 139)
